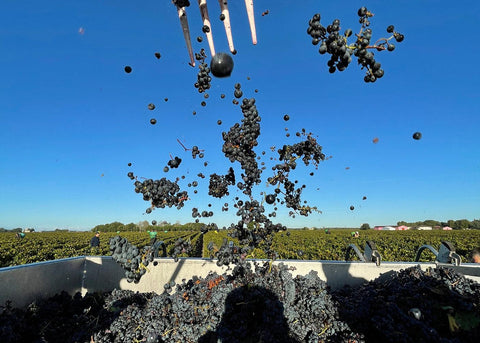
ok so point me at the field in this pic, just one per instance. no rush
(301, 244)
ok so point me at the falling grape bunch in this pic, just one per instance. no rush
(334, 43)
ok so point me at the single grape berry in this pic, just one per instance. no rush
(129, 164)
(390, 28)
(203, 103)
(415, 313)
(128, 69)
(157, 55)
(222, 96)
(352, 208)
(417, 135)
(222, 17)
(151, 106)
(153, 121)
(199, 39)
(270, 198)
(206, 29)
(362, 11)
(398, 37)
(219, 122)
(286, 117)
(323, 48)
(221, 65)
(391, 47)
(364, 198)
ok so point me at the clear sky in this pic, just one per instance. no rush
(71, 118)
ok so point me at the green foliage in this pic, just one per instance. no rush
(315, 244)
(146, 226)
(365, 226)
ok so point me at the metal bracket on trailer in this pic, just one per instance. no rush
(446, 253)
(370, 255)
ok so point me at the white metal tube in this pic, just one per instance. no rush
(182, 15)
(226, 23)
(251, 20)
(202, 4)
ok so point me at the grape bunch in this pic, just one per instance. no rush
(205, 214)
(309, 150)
(196, 152)
(181, 247)
(239, 143)
(131, 258)
(209, 227)
(218, 186)
(174, 162)
(160, 193)
(203, 76)
(333, 42)
(181, 3)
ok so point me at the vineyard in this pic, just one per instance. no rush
(298, 244)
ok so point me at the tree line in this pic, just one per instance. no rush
(146, 226)
(460, 224)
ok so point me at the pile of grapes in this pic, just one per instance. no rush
(260, 303)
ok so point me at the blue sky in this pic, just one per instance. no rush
(70, 114)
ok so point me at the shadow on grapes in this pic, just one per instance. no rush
(337, 274)
(252, 314)
(437, 305)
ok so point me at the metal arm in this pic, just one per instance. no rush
(371, 253)
(446, 254)
(202, 4)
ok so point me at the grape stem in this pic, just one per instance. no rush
(324, 330)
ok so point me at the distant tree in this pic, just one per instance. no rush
(365, 226)
(18, 229)
(462, 224)
(431, 222)
(99, 228)
(143, 225)
(402, 223)
(3, 229)
(451, 223)
(131, 227)
(475, 224)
